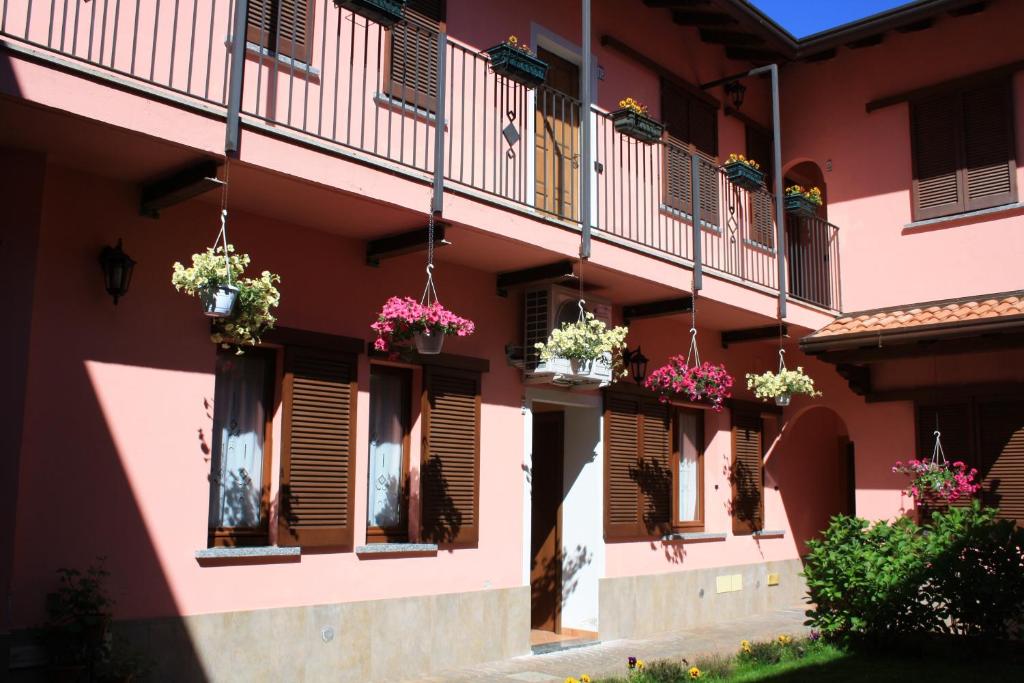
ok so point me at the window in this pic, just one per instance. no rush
(284, 27)
(387, 495)
(963, 150)
(759, 148)
(986, 433)
(240, 458)
(747, 472)
(688, 468)
(692, 127)
(450, 469)
(411, 54)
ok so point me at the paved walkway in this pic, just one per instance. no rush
(609, 658)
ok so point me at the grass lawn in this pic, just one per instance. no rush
(828, 664)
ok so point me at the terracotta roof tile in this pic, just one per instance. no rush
(916, 315)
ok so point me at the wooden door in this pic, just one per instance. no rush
(545, 532)
(557, 133)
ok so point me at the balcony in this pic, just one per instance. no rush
(347, 85)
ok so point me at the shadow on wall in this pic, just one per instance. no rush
(809, 467)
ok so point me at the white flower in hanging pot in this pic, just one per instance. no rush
(781, 385)
(585, 344)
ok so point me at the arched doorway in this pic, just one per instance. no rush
(808, 249)
(812, 467)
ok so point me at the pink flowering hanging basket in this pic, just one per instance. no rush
(704, 383)
(403, 319)
(941, 483)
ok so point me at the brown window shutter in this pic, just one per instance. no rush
(703, 127)
(747, 472)
(282, 26)
(677, 175)
(621, 493)
(759, 148)
(675, 110)
(656, 467)
(935, 131)
(990, 169)
(709, 177)
(1001, 461)
(412, 54)
(693, 126)
(318, 450)
(450, 471)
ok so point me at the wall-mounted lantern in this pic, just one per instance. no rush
(117, 270)
(636, 361)
(736, 90)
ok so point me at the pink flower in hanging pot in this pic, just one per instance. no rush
(402, 317)
(706, 383)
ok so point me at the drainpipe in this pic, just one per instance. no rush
(234, 113)
(437, 203)
(586, 161)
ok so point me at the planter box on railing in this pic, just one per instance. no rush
(637, 126)
(744, 176)
(564, 371)
(801, 206)
(384, 12)
(517, 65)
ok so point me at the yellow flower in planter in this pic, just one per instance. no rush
(785, 640)
(570, 679)
(584, 678)
(694, 672)
(745, 646)
(633, 106)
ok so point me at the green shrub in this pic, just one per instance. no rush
(961, 573)
(664, 671)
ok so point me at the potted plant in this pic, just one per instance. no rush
(699, 383)
(781, 385)
(938, 482)
(744, 173)
(78, 617)
(801, 202)
(631, 119)
(384, 12)
(240, 306)
(517, 63)
(403, 318)
(583, 351)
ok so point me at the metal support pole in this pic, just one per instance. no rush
(437, 203)
(698, 256)
(780, 208)
(238, 31)
(586, 156)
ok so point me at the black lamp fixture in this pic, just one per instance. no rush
(117, 270)
(736, 90)
(637, 363)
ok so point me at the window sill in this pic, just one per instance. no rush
(683, 216)
(770, 533)
(264, 552)
(262, 53)
(690, 537)
(388, 102)
(994, 211)
(770, 251)
(378, 549)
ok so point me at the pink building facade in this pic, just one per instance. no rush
(313, 509)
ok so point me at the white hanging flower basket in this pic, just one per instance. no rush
(572, 371)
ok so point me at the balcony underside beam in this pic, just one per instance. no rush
(548, 273)
(655, 309)
(404, 243)
(751, 334)
(176, 188)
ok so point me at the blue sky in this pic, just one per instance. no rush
(804, 17)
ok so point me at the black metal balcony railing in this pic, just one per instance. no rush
(354, 86)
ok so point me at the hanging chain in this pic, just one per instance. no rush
(429, 291)
(222, 236)
(693, 352)
(938, 456)
(782, 360)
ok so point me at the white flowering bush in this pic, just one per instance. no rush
(772, 384)
(586, 339)
(256, 296)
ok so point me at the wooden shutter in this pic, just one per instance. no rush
(1001, 461)
(318, 450)
(282, 26)
(677, 175)
(450, 471)
(935, 127)
(747, 475)
(412, 54)
(637, 469)
(990, 169)
(693, 126)
(759, 148)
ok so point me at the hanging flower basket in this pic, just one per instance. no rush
(403, 319)
(803, 203)
(517, 63)
(384, 12)
(631, 119)
(240, 306)
(583, 352)
(938, 482)
(781, 385)
(744, 173)
(698, 383)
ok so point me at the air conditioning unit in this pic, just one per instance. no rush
(545, 309)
